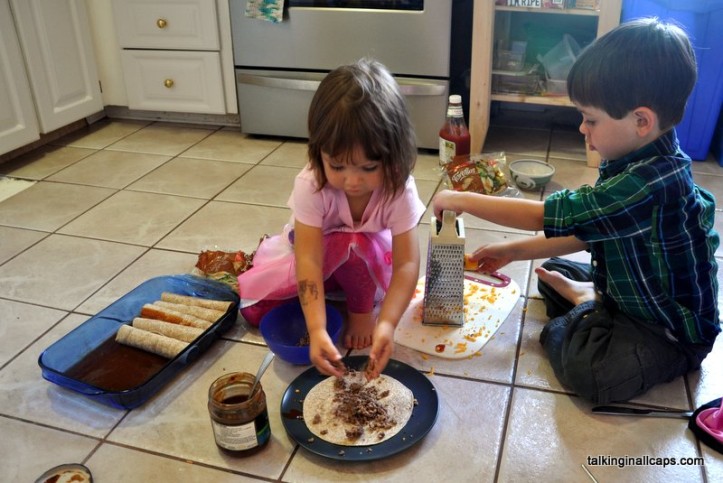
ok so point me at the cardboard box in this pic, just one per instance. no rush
(586, 4)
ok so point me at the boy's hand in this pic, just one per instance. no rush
(382, 348)
(444, 200)
(324, 354)
(492, 257)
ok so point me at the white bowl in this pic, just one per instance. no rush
(531, 174)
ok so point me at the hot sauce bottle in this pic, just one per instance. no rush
(454, 135)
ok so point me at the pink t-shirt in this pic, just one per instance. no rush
(274, 274)
(329, 209)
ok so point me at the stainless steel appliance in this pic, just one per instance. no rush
(279, 66)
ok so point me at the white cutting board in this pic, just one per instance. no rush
(487, 303)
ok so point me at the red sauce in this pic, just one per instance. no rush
(235, 399)
(459, 136)
(439, 347)
(454, 138)
(293, 414)
(116, 367)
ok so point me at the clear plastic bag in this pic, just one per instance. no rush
(480, 173)
(223, 266)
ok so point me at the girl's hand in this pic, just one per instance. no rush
(382, 348)
(324, 354)
(492, 257)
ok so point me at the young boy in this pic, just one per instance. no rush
(645, 310)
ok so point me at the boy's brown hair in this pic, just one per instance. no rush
(361, 104)
(641, 63)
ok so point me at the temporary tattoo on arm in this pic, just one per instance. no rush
(308, 291)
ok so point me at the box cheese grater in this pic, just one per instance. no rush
(444, 283)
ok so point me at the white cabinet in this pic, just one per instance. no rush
(18, 124)
(47, 68)
(172, 55)
(167, 24)
(173, 81)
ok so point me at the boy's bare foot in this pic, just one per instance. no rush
(359, 331)
(573, 291)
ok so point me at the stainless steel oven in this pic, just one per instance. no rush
(279, 65)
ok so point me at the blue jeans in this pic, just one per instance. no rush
(601, 353)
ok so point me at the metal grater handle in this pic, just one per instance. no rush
(448, 232)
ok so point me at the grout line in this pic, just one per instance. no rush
(36, 339)
(47, 426)
(189, 461)
(589, 474)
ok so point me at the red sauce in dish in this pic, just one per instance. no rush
(116, 367)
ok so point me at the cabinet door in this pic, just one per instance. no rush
(18, 125)
(56, 41)
(177, 81)
(167, 24)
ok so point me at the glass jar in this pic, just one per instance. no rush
(239, 419)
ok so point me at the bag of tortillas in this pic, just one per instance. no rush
(478, 173)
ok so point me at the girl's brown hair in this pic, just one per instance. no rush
(361, 104)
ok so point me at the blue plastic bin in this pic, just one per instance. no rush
(716, 147)
(703, 21)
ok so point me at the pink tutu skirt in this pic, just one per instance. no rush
(273, 275)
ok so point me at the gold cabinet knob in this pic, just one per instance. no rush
(168, 83)
(161, 23)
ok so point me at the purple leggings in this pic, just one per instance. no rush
(352, 277)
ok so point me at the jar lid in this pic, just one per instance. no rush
(455, 99)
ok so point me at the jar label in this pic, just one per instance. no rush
(455, 110)
(447, 151)
(235, 438)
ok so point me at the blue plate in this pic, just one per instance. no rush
(424, 414)
(89, 361)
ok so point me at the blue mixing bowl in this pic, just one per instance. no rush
(284, 327)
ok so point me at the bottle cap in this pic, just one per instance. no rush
(455, 99)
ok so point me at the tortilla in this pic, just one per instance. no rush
(354, 412)
(221, 305)
(195, 310)
(150, 342)
(169, 329)
(66, 473)
(153, 311)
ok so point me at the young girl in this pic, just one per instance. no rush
(355, 212)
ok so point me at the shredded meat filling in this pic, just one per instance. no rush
(357, 405)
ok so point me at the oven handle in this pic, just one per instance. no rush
(278, 82)
(422, 89)
(416, 88)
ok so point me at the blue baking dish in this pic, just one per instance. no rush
(89, 361)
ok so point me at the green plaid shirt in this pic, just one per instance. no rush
(651, 238)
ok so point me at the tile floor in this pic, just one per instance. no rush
(122, 201)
